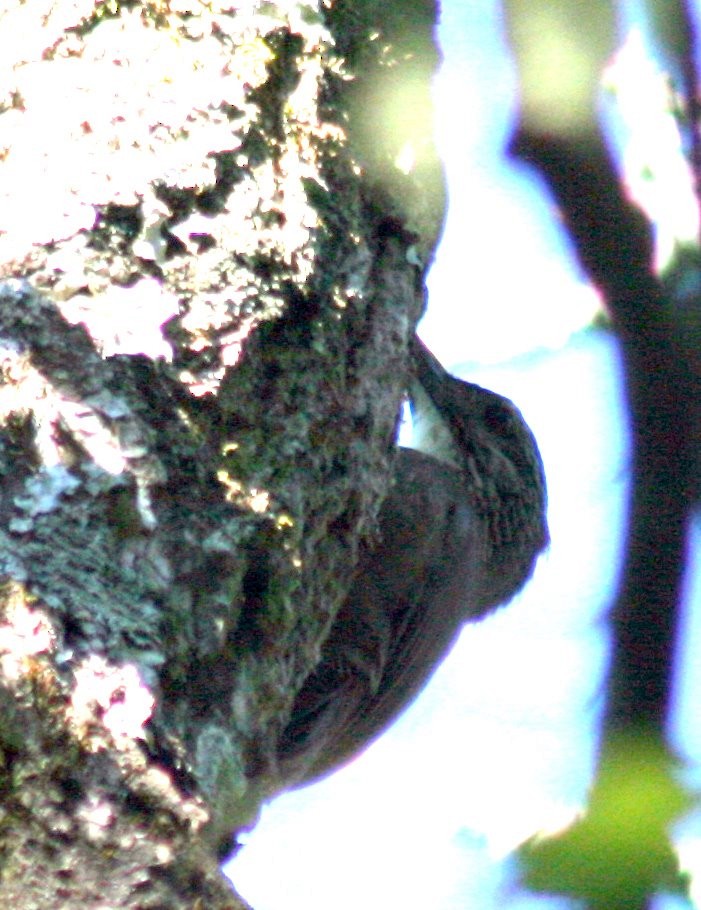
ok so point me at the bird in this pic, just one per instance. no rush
(459, 534)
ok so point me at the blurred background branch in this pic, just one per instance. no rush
(619, 856)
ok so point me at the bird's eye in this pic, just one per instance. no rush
(497, 418)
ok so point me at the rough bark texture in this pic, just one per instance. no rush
(181, 507)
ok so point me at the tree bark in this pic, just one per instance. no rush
(214, 229)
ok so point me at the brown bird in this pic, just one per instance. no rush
(460, 531)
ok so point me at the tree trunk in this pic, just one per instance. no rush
(215, 223)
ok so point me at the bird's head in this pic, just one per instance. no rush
(485, 436)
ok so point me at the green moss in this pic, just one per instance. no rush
(123, 514)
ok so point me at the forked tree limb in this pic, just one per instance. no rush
(613, 244)
(559, 135)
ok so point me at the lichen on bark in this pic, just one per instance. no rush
(214, 259)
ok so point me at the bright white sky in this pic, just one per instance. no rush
(501, 743)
